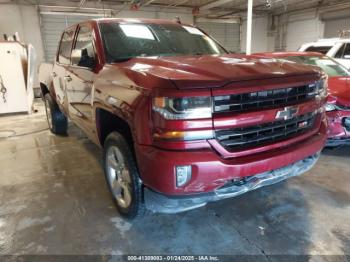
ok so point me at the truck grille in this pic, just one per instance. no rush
(265, 99)
(254, 136)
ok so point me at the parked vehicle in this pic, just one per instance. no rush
(181, 121)
(337, 48)
(338, 102)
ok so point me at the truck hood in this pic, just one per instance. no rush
(339, 90)
(211, 71)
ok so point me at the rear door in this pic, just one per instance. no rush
(60, 67)
(80, 75)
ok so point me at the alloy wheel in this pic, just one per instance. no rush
(119, 177)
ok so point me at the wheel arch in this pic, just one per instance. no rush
(107, 122)
(44, 89)
(47, 89)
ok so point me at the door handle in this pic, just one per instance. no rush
(54, 74)
(68, 78)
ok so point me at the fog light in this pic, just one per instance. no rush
(183, 175)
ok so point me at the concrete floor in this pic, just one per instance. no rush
(53, 200)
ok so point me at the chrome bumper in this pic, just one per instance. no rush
(169, 204)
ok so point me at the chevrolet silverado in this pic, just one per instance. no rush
(181, 121)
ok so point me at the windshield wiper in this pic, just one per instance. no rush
(122, 59)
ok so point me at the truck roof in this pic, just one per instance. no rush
(327, 41)
(130, 20)
(137, 20)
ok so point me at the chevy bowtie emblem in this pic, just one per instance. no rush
(287, 113)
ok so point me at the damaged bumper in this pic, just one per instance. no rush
(339, 128)
(157, 202)
(338, 142)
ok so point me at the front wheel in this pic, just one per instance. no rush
(122, 176)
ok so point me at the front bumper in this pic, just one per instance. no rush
(210, 171)
(339, 128)
(166, 204)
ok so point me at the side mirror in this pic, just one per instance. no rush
(80, 57)
(76, 56)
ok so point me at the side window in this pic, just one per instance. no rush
(84, 54)
(339, 54)
(65, 47)
(346, 54)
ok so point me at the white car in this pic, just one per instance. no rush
(337, 48)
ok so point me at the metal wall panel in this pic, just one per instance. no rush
(227, 34)
(332, 27)
(300, 32)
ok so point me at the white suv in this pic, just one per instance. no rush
(338, 48)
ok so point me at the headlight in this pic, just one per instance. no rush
(183, 107)
(329, 107)
(322, 86)
(318, 88)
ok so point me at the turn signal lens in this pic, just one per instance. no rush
(322, 85)
(184, 135)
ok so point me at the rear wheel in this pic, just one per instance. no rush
(57, 121)
(122, 176)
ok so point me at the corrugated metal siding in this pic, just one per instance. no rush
(332, 27)
(52, 27)
(227, 34)
(300, 32)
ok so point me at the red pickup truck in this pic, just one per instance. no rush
(181, 121)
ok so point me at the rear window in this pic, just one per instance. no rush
(65, 49)
(319, 49)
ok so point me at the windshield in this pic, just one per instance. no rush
(328, 65)
(123, 41)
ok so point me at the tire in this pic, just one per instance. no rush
(122, 176)
(57, 121)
